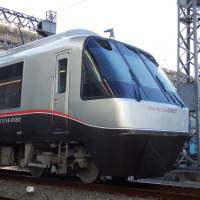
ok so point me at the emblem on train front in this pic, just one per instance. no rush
(159, 109)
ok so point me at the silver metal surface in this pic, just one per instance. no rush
(40, 94)
(60, 100)
(38, 89)
(45, 41)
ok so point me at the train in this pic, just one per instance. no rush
(81, 104)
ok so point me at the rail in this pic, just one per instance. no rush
(152, 190)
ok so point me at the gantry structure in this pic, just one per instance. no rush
(188, 62)
(18, 28)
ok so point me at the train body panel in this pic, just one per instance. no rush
(64, 94)
(130, 114)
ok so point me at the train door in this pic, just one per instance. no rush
(60, 99)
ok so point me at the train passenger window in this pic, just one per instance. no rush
(10, 86)
(62, 75)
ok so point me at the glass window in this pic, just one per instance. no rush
(161, 77)
(62, 75)
(91, 78)
(157, 71)
(113, 69)
(105, 73)
(147, 81)
(10, 85)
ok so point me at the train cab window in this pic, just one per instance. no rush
(105, 73)
(10, 86)
(62, 75)
(91, 81)
(115, 70)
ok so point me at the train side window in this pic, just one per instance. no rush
(62, 75)
(10, 86)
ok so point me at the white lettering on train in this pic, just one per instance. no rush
(10, 120)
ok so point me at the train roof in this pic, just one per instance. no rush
(53, 38)
(67, 34)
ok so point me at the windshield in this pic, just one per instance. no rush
(162, 79)
(105, 73)
(158, 71)
(113, 69)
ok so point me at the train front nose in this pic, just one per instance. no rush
(139, 154)
(159, 154)
(145, 143)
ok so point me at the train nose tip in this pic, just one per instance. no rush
(139, 155)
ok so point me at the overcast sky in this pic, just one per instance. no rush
(150, 25)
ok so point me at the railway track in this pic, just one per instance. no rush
(152, 190)
(7, 198)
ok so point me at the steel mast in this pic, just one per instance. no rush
(188, 71)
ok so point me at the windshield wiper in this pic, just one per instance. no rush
(133, 77)
(137, 88)
(167, 92)
(179, 100)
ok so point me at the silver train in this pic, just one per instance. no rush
(81, 104)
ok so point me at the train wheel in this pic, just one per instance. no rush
(36, 171)
(90, 174)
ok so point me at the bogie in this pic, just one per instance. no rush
(59, 158)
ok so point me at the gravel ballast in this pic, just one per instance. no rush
(43, 192)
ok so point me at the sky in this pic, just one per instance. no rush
(149, 25)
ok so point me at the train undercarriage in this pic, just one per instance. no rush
(57, 158)
(116, 155)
